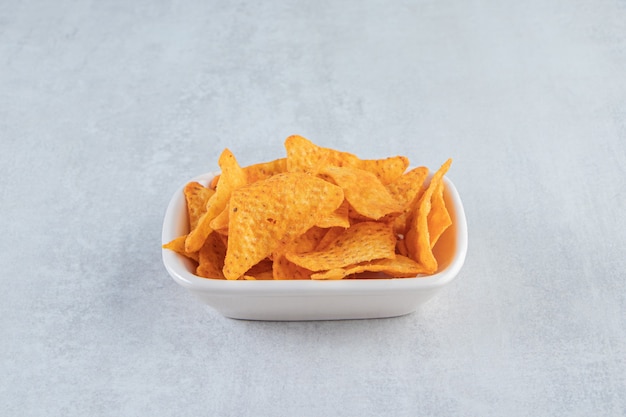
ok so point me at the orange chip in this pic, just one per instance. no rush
(338, 218)
(438, 218)
(304, 156)
(306, 242)
(387, 170)
(268, 214)
(265, 170)
(408, 186)
(196, 196)
(418, 238)
(336, 273)
(178, 246)
(232, 177)
(406, 190)
(211, 257)
(364, 191)
(262, 276)
(220, 222)
(318, 213)
(330, 235)
(283, 268)
(224, 238)
(261, 270)
(361, 242)
(399, 267)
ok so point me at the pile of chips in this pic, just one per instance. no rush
(317, 213)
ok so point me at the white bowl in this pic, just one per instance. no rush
(312, 299)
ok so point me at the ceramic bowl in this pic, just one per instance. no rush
(361, 298)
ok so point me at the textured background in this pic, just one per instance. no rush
(107, 107)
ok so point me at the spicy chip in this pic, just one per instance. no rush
(269, 213)
(418, 237)
(305, 156)
(399, 267)
(315, 213)
(232, 177)
(362, 242)
(364, 192)
(196, 196)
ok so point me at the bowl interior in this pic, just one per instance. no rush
(450, 249)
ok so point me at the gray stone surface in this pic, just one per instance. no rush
(107, 107)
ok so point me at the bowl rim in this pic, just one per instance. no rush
(175, 264)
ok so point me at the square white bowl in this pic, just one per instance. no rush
(284, 300)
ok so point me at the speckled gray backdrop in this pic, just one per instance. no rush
(107, 107)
